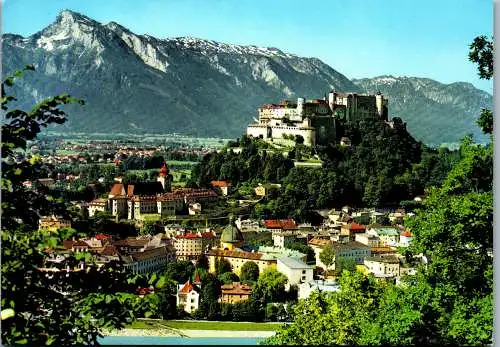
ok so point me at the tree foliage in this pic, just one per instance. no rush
(270, 286)
(60, 308)
(229, 277)
(327, 255)
(180, 270)
(249, 271)
(481, 53)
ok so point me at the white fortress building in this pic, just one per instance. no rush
(315, 120)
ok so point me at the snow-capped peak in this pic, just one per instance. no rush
(219, 47)
(68, 25)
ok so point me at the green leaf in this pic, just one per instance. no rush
(8, 313)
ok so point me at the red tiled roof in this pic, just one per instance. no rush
(288, 224)
(220, 184)
(68, 244)
(188, 287)
(101, 237)
(117, 189)
(188, 236)
(164, 170)
(356, 226)
(406, 233)
(280, 224)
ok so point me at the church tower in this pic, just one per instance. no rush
(164, 178)
(231, 237)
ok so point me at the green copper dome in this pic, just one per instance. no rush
(231, 234)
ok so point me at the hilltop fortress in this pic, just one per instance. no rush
(316, 120)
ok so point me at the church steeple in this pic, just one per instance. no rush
(164, 177)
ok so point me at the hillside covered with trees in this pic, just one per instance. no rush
(381, 168)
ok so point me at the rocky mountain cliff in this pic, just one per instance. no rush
(141, 84)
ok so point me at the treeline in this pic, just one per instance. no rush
(250, 164)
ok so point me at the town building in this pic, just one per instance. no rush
(367, 239)
(235, 292)
(306, 288)
(278, 252)
(247, 225)
(97, 205)
(345, 141)
(385, 266)
(194, 209)
(239, 257)
(53, 223)
(224, 186)
(188, 245)
(350, 251)
(275, 225)
(149, 260)
(165, 178)
(191, 245)
(283, 239)
(405, 238)
(351, 230)
(389, 236)
(188, 296)
(318, 244)
(295, 270)
(263, 189)
(134, 200)
(132, 245)
(397, 217)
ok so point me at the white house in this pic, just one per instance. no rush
(367, 239)
(385, 266)
(389, 236)
(194, 208)
(306, 288)
(295, 270)
(405, 238)
(150, 260)
(283, 239)
(248, 225)
(188, 296)
(97, 205)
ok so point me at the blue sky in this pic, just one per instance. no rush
(359, 38)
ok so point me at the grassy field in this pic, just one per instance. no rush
(66, 152)
(180, 162)
(205, 325)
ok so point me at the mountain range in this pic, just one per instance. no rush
(141, 84)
